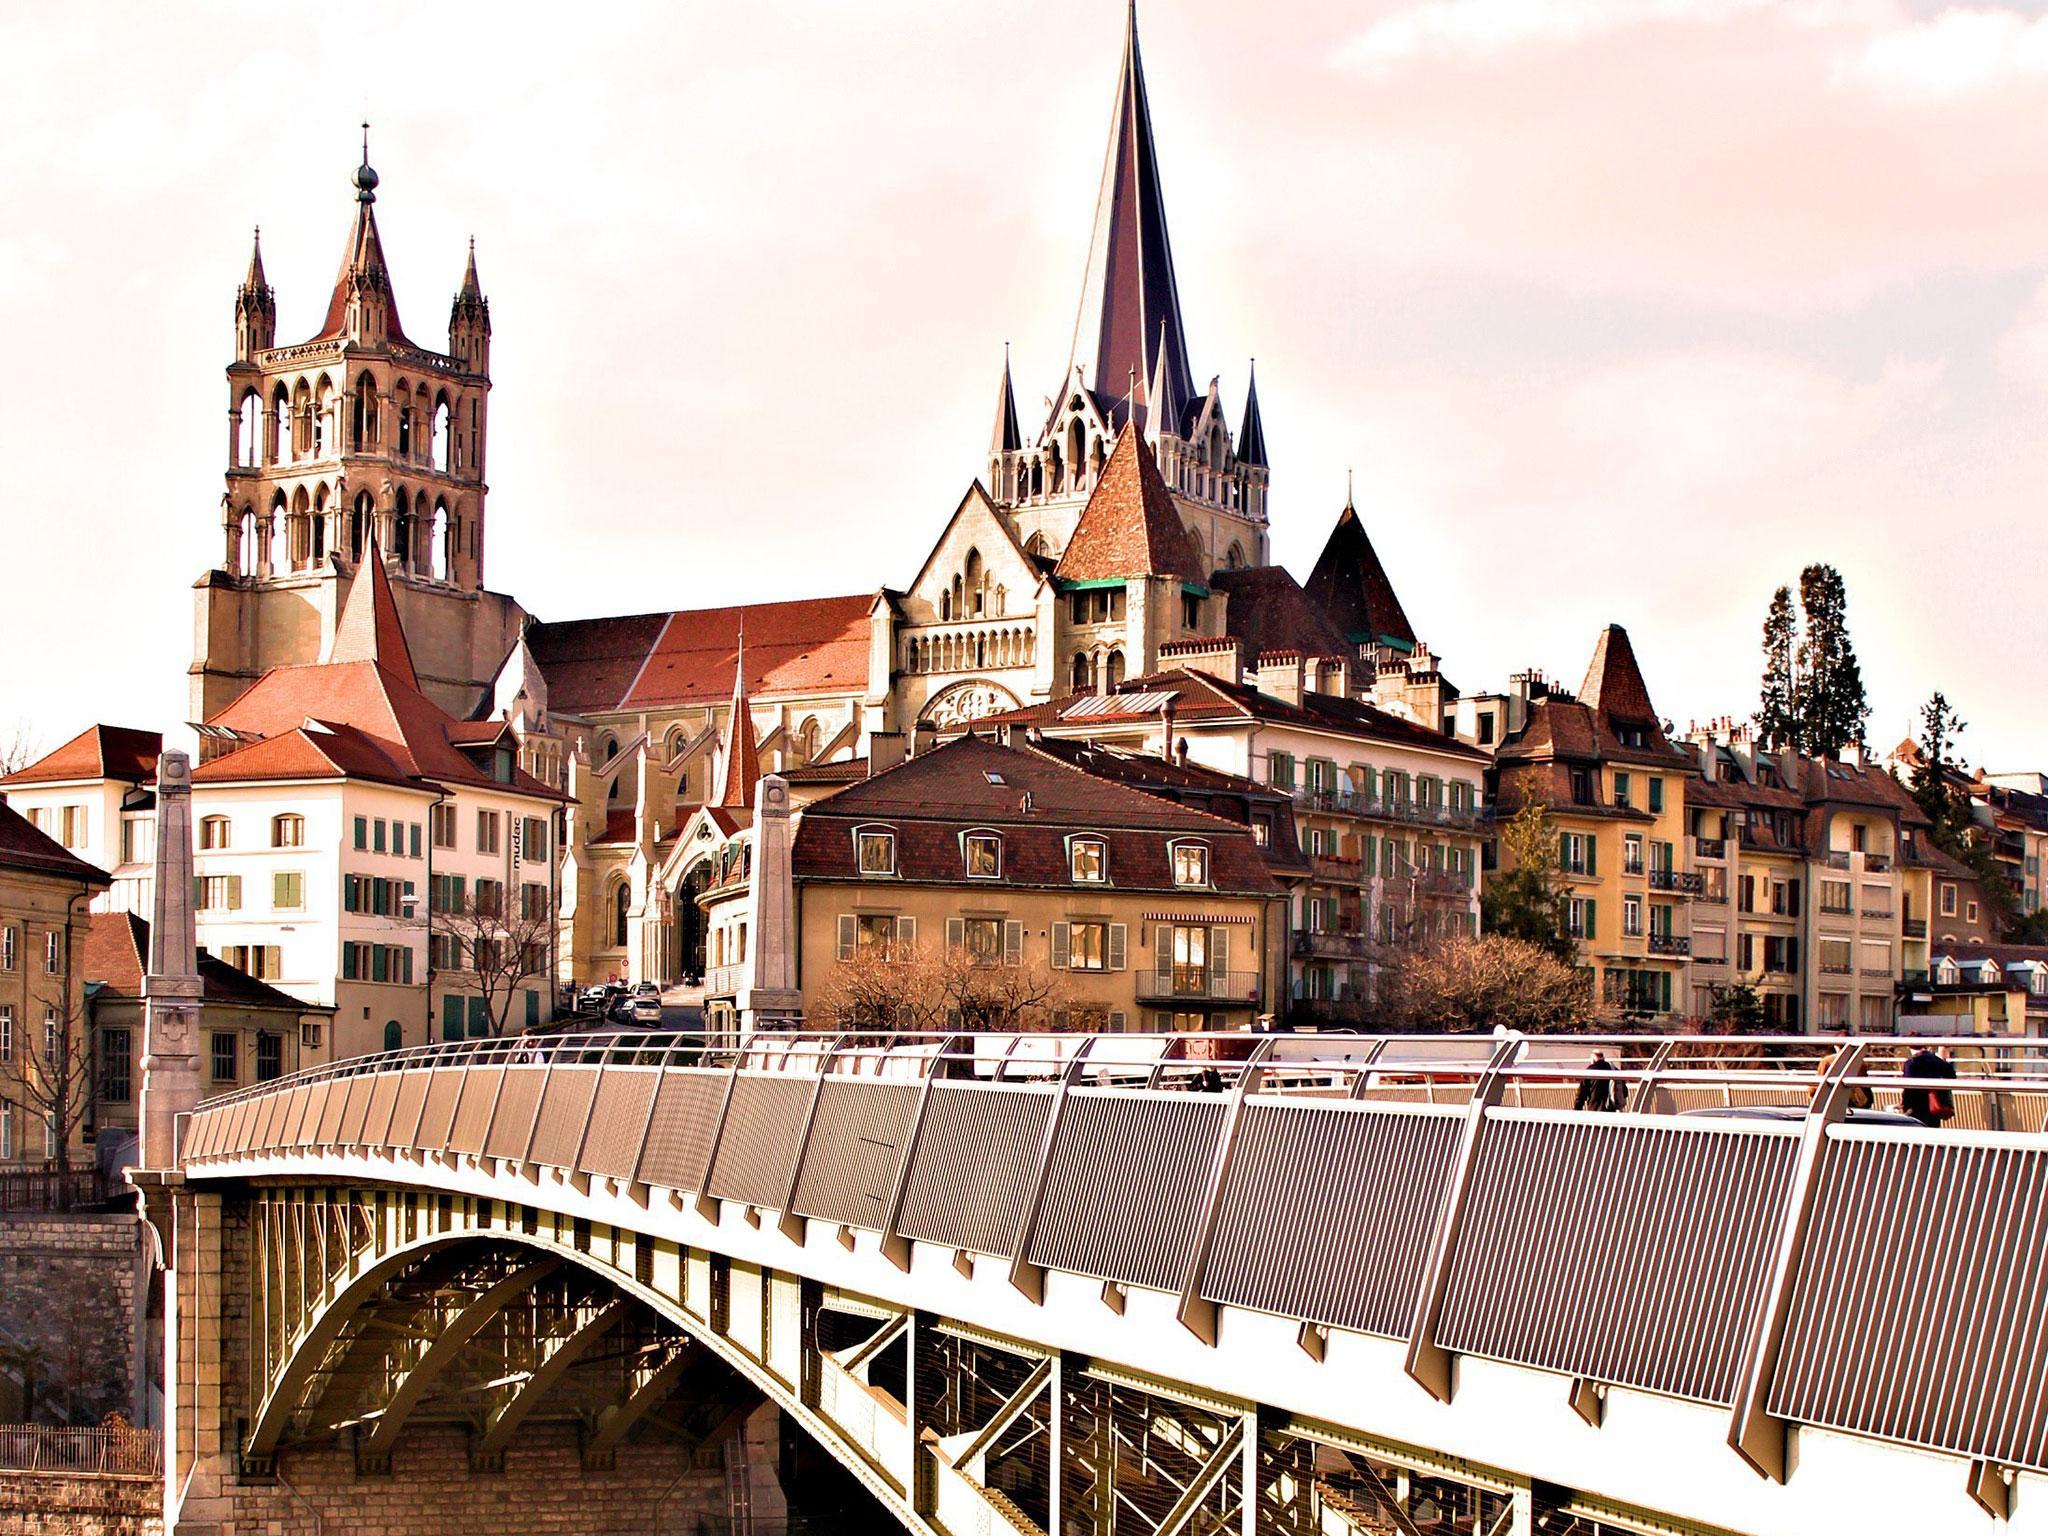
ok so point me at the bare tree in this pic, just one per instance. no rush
(19, 746)
(1477, 983)
(928, 989)
(499, 942)
(47, 1070)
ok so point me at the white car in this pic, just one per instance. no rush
(646, 1009)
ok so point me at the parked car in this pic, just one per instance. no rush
(646, 1008)
(646, 989)
(599, 996)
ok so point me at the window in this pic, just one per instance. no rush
(1831, 1010)
(75, 823)
(287, 831)
(6, 1131)
(1948, 901)
(53, 948)
(1088, 860)
(6, 1033)
(223, 1053)
(377, 835)
(1632, 916)
(486, 831)
(362, 838)
(1970, 914)
(1582, 787)
(1656, 796)
(287, 891)
(1578, 853)
(444, 952)
(534, 840)
(983, 938)
(1781, 955)
(269, 1056)
(9, 936)
(1581, 914)
(440, 818)
(1280, 770)
(1190, 612)
(1621, 789)
(1190, 864)
(213, 832)
(138, 839)
(984, 856)
(263, 961)
(863, 933)
(1834, 957)
(533, 901)
(877, 852)
(1876, 959)
(1098, 605)
(490, 897)
(1088, 946)
(1632, 854)
(117, 1066)
(1834, 896)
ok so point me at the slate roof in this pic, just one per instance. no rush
(97, 752)
(1129, 527)
(656, 660)
(1268, 610)
(1351, 586)
(24, 848)
(931, 799)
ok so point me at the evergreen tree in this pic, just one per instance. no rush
(1832, 707)
(1777, 716)
(1934, 778)
(1526, 899)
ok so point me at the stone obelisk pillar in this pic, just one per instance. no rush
(170, 992)
(770, 999)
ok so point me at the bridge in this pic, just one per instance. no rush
(1114, 1286)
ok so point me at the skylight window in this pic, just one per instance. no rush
(992, 776)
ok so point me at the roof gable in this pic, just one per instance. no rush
(97, 752)
(1129, 527)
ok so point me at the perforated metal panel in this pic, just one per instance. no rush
(685, 1110)
(757, 1148)
(1328, 1211)
(444, 1090)
(620, 1115)
(306, 1123)
(329, 1130)
(564, 1106)
(855, 1150)
(1126, 1181)
(1918, 1312)
(355, 1110)
(473, 1109)
(383, 1101)
(518, 1101)
(412, 1099)
(975, 1161)
(1623, 1248)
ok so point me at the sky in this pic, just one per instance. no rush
(1617, 310)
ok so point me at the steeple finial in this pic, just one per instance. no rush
(471, 288)
(365, 178)
(1348, 507)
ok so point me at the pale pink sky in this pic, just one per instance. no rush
(1622, 309)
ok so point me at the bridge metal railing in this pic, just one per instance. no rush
(107, 1450)
(1743, 1230)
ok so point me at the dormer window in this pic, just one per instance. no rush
(876, 851)
(984, 856)
(1191, 864)
(1088, 860)
(213, 832)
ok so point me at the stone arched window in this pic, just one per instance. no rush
(622, 905)
(1083, 673)
(1113, 671)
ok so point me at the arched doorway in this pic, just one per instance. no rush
(689, 920)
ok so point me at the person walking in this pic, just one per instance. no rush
(1930, 1106)
(1601, 1088)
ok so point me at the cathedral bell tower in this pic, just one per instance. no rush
(358, 434)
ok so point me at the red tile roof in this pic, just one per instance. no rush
(97, 752)
(1129, 526)
(23, 848)
(653, 660)
(1268, 610)
(317, 750)
(930, 799)
(369, 629)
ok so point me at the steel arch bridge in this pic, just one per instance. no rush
(1144, 1286)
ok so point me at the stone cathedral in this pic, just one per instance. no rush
(1120, 529)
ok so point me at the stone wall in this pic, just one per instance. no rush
(40, 1504)
(68, 1292)
(543, 1491)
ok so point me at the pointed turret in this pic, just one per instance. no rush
(1128, 294)
(255, 308)
(1351, 586)
(742, 752)
(363, 306)
(1129, 527)
(1251, 437)
(469, 321)
(369, 627)
(1614, 688)
(1006, 438)
(1166, 406)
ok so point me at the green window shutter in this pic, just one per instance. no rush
(532, 1010)
(1592, 854)
(479, 1018)
(451, 1017)
(1592, 919)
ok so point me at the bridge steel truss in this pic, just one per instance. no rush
(1345, 1270)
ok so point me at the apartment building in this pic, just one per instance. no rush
(92, 796)
(1601, 766)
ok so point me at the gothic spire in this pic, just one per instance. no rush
(1251, 437)
(471, 288)
(1128, 294)
(255, 307)
(1006, 439)
(254, 282)
(742, 751)
(1166, 407)
(363, 271)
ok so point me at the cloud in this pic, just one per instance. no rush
(1960, 51)
(1487, 29)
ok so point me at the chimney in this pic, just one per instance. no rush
(885, 750)
(1166, 727)
(1280, 675)
(923, 737)
(1221, 657)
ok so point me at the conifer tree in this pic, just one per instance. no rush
(1828, 683)
(1777, 716)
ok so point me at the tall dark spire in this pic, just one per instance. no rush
(1006, 438)
(254, 282)
(1128, 295)
(1251, 437)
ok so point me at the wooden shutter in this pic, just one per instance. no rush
(849, 934)
(956, 932)
(1118, 1021)
(1163, 957)
(234, 893)
(1592, 854)
(1592, 918)
(1061, 943)
(906, 931)
(1119, 934)
(1219, 958)
(1013, 943)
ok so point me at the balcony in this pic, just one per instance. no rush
(1193, 984)
(1334, 869)
(725, 980)
(1915, 927)
(1835, 967)
(1332, 944)
(1880, 913)
(1710, 847)
(1346, 802)
(1685, 883)
(1670, 944)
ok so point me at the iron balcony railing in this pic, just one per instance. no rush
(1710, 847)
(1683, 882)
(107, 1450)
(1670, 943)
(45, 1189)
(1915, 927)
(1344, 802)
(1196, 984)
(1333, 943)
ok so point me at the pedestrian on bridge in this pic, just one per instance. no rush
(1930, 1106)
(1602, 1088)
